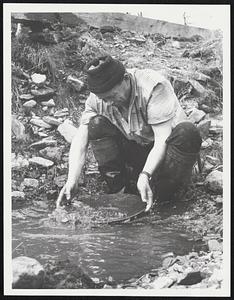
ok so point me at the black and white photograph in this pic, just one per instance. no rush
(116, 149)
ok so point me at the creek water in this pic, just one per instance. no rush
(123, 251)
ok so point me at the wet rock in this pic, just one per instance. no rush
(26, 97)
(18, 162)
(162, 282)
(76, 83)
(197, 87)
(207, 143)
(214, 181)
(52, 121)
(49, 103)
(42, 93)
(40, 123)
(67, 130)
(192, 278)
(28, 273)
(30, 104)
(196, 115)
(203, 128)
(30, 182)
(54, 153)
(17, 129)
(18, 195)
(38, 79)
(41, 161)
(44, 143)
(61, 113)
(214, 245)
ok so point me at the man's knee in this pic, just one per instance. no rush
(100, 127)
(186, 137)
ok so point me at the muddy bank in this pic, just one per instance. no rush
(48, 96)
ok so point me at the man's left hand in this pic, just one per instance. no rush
(145, 191)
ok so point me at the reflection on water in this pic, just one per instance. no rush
(122, 251)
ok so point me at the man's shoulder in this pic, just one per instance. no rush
(148, 75)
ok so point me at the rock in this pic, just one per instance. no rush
(44, 143)
(197, 87)
(41, 161)
(191, 278)
(213, 160)
(18, 162)
(176, 44)
(42, 134)
(30, 104)
(75, 82)
(40, 123)
(207, 109)
(67, 130)
(138, 40)
(17, 129)
(217, 276)
(207, 143)
(49, 103)
(42, 93)
(107, 28)
(214, 245)
(61, 113)
(168, 254)
(26, 97)
(45, 108)
(162, 282)
(196, 115)
(216, 130)
(203, 128)
(207, 166)
(51, 120)
(214, 181)
(30, 182)
(38, 79)
(54, 153)
(167, 262)
(60, 180)
(218, 199)
(28, 273)
(17, 195)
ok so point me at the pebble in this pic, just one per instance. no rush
(49, 103)
(41, 161)
(30, 104)
(214, 181)
(18, 195)
(40, 123)
(67, 130)
(52, 153)
(203, 128)
(196, 115)
(176, 44)
(45, 108)
(17, 128)
(42, 93)
(75, 82)
(27, 273)
(214, 245)
(30, 182)
(26, 97)
(44, 143)
(51, 120)
(38, 78)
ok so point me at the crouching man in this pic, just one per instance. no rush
(139, 133)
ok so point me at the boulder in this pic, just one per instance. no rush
(67, 130)
(28, 273)
(51, 120)
(44, 143)
(49, 103)
(214, 245)
(41, 161)
(17, 129)
(30, 182)
(18, 195)
(214, 181)
(30, 104)
(196, 115)
(192, 278)
(61, 113)
(42, 93)
(203, 128)
(38, 79)
(40, 123)
(26, 97)
(54, 153)
(75, 82)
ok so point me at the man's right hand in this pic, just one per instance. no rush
(65, 191)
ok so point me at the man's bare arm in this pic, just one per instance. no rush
(77, 155)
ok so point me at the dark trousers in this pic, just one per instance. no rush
(121, 160)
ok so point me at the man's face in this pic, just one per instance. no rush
(119, 94)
